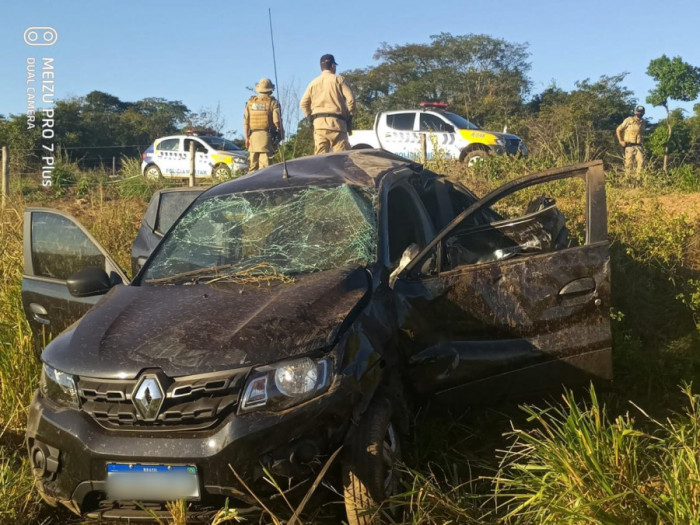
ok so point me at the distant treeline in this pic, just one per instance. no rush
(482, 78)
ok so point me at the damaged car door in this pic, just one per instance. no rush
(65, 272)
(516, 303)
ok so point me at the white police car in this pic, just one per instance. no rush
(214, 157)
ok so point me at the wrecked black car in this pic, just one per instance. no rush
(280, 318)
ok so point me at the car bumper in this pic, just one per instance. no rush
(293, 444)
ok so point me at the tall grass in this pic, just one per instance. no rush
(570, 461)
(580, 465)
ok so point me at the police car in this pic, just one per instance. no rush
(447, 135)
(214, 157)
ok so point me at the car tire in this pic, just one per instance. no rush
(361, 146)
(152, 172)
(221, 172)
(369, 470)
(474, 157)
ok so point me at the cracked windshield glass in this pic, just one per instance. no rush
(274, 232)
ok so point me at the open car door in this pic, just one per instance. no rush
(56, 248)
(164, 208)
(513, 295)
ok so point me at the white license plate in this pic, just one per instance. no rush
(142, 482)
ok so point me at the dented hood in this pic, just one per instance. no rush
(193, 329)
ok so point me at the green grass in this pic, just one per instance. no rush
(588, 459)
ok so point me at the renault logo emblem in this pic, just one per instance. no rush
(148, 397)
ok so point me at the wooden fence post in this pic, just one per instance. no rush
(5, 176)
(192, 163)
(423, 148)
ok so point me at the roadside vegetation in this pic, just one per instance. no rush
(630, 454)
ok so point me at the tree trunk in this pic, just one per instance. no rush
(668, 139)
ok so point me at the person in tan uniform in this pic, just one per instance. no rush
(630, 135)
(329, 103)
(261, 122)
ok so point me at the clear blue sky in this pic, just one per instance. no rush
(208, 53)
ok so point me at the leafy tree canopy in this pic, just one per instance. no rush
(675, 80)
(481, 77)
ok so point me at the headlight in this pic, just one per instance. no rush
(59, 387)
(286, 384)
(501, 142)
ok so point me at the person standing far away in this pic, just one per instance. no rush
(329, 104)
(262, 125)
(630, 134)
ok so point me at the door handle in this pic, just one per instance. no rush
(578, 287)
(37, 311)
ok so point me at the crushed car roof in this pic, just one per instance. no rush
(366, 167)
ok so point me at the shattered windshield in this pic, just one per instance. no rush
(283, 231)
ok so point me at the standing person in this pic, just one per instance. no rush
(630, 135)
(329, 104)
(262, 124)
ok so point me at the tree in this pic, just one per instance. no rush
(659, 144)
(481, 77)
(579, 125)
(675, 80)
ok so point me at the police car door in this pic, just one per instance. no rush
(202, 158)
(396, 134)
(439, 134)
(169, 157)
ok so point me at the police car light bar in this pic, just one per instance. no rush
(440, 105)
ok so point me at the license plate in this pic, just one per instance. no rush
(152, 482)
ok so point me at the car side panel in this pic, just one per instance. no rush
(500, 317)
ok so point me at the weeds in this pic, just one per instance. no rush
(568, 461)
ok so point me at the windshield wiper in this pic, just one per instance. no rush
(193, 275)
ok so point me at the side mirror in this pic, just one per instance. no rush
(88, 282)
(449, 128)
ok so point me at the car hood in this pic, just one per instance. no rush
(192, 329)
(504, 136)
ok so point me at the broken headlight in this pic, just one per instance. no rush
(287, 383)
(59, 387)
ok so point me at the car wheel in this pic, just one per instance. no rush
(475, 157)
(221, 172)
(369, 471)
(152, 172)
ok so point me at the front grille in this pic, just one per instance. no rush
(191, 403)
(512, 146)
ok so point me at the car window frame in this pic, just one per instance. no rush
(596, 212)
(110, 263)
(387, 186)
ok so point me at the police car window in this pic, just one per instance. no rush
(401, 121)
(430, 122)
(198, 146)
(460, 122)
(220, 143)
(168, 145)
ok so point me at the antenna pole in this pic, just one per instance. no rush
(285, 173)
